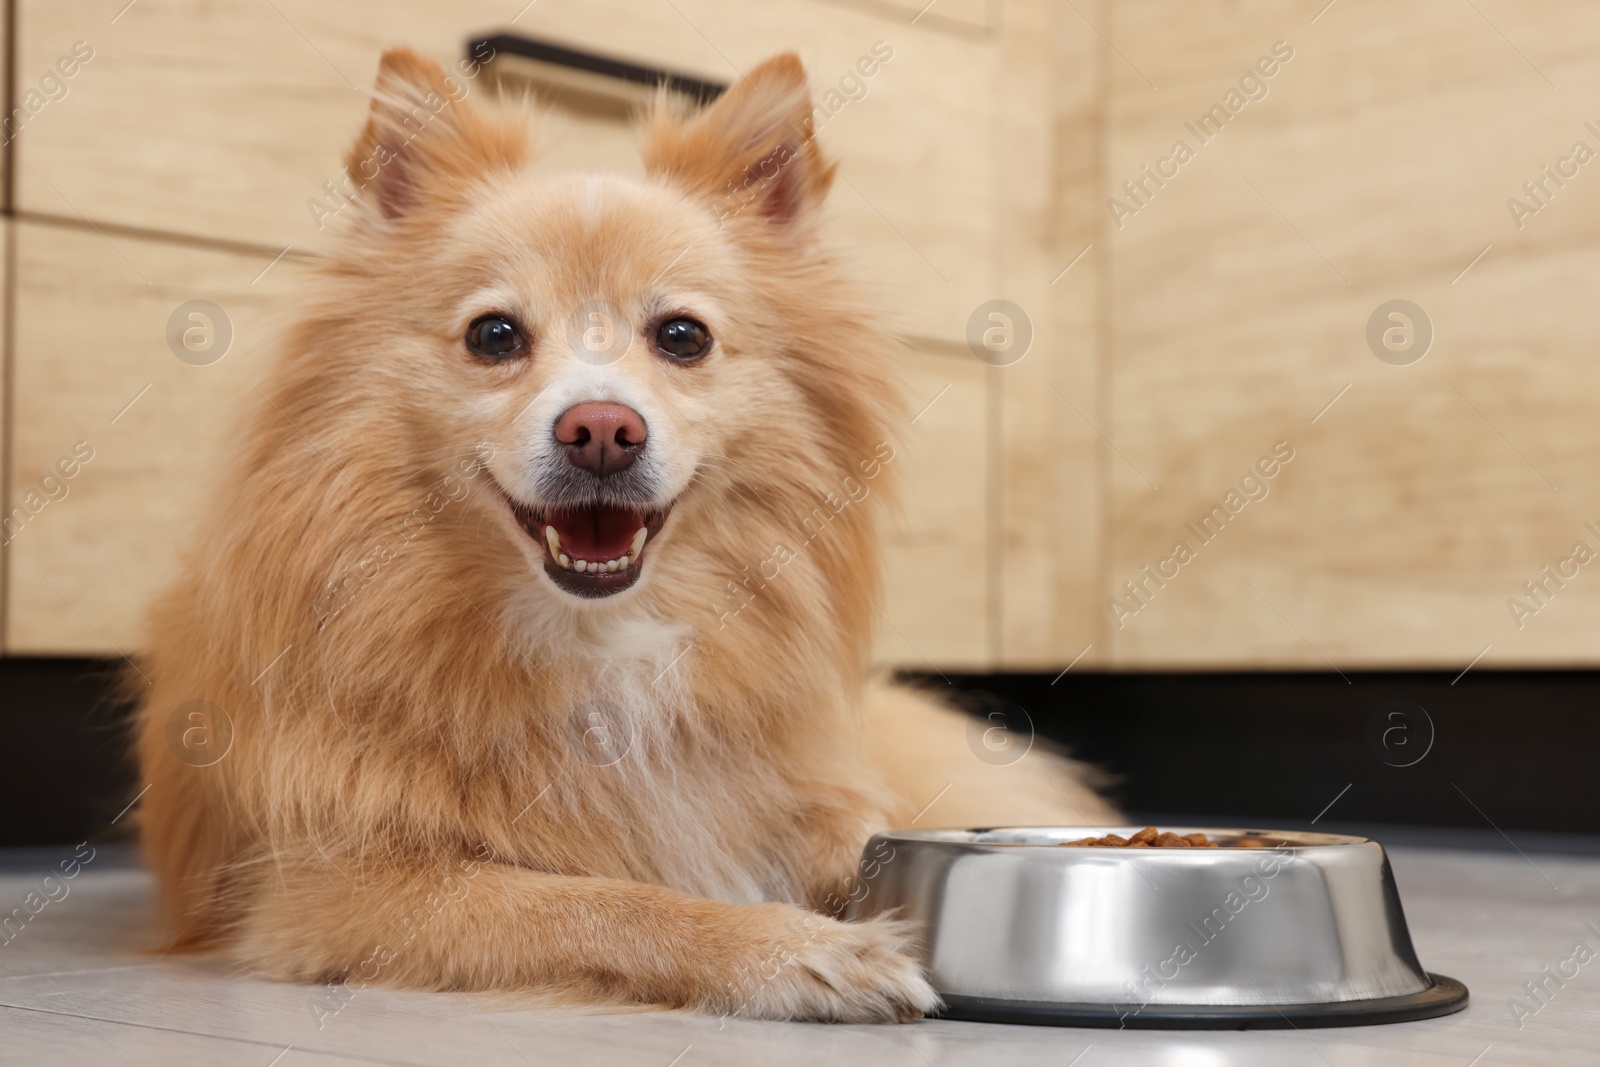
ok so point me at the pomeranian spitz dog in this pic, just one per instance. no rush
(532, 620)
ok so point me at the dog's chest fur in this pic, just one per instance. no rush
(648, 788)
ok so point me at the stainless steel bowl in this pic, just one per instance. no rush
(1016, 928)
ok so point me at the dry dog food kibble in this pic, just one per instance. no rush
(1149, 837)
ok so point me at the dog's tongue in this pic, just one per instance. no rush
(597, 533)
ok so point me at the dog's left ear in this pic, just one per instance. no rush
(424, 142)
(751, 152)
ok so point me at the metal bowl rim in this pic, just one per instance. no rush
(965, 837)
(1443, 996)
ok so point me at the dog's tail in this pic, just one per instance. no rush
(952, 769)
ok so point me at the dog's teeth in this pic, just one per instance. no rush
(586, 566)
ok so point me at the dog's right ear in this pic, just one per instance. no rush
(424, 143)
(751, 152)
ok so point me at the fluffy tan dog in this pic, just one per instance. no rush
(540, 593)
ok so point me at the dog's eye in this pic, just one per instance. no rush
(494, 337)
(683, 339)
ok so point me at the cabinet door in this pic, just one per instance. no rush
(226, 120)
(100, 392)
(1374, 165)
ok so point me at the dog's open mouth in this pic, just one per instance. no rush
(592, 550)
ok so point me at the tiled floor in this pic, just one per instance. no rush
(77, 988)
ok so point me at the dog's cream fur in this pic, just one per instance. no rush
(406, 799)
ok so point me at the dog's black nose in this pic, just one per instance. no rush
(602, 439)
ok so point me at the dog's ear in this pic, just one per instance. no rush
(424, 141)
(751, 152)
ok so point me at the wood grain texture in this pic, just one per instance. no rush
(1377, 166)
(1044, 481)
(92, 365)
(936, 611)
(958, 16)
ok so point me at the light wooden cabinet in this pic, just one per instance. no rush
(99, 389)
(1188, 316)
(1377, 166)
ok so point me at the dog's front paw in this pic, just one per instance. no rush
(821, 969)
